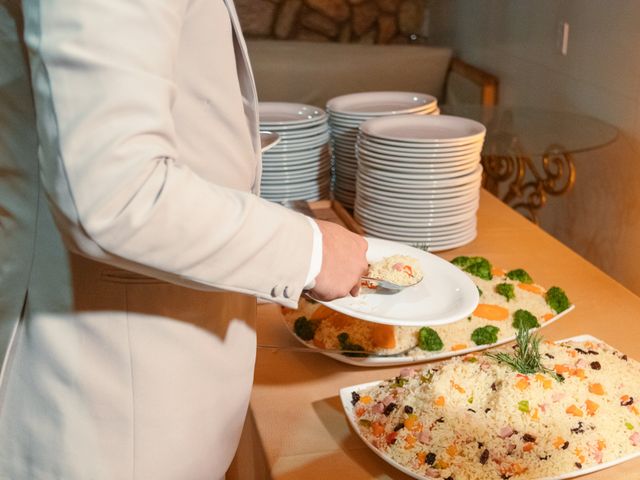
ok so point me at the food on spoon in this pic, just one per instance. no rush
(398, 269)
(483, 419)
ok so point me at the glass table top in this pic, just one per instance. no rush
(534, 131)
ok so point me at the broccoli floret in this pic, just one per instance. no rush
(506, 290)
(428, 339)
(478, 266)
(345, 344)
(305, 328)
(524, 319)
(519, 275)
(557, 299)
(485, 335)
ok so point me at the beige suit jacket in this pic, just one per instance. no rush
(149, 158)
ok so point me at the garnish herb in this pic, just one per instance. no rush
(526, 357)
(519, 275)
(478, 266)
(485, 335)
(428, 339)
(523, 406)
(557, 299)
(524, 319)
(305, 328)
(506, 290)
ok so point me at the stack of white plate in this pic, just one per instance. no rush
(419, 179)
(347, 112)
(299, 166)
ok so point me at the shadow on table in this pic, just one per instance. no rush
(354, 451)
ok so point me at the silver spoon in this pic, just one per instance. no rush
(387, 285)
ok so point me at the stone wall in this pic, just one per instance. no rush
(363, 21)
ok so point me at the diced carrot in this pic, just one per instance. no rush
(596, 389)
(318, 343)
(522, 384)
(409, 441)
(491, 312)
(534, 415)
(366, 399)
(602, 445)
(411, 421)
(531, 287)
(497, 272)
(578, 453)
(561, 369)
(377, 429)
(383, 336)
(558, 442)
(634, 410)
(572, 353)
(546, 382)
(527, 447)
(458, 346)
(360, 411)
(321, 313)
(439, 401)
(624, 399)
(452, 450)
(578, 372)
(548, 316)
(591, 407)
(422, 458)
(517, 469)
(457, 387)
(575, 411)
(441, 464)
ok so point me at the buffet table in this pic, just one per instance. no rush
(296, 428)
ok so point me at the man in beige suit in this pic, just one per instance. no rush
(150, 161)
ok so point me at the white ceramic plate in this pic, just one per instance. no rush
(293, 115)
(425, 129)
(422, 214)
(405, 148)
(301, 133)
(445, 295)
(381, 103)
(345, 398)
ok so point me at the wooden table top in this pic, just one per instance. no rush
(299, 424)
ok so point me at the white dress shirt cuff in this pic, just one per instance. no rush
(316, 256)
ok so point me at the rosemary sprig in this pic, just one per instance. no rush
(526, 357)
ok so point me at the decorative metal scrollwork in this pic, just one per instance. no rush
(530, 184)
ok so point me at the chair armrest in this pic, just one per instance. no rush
(461, 73)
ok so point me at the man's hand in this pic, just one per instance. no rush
(344, 261)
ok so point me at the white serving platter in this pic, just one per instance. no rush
(345, 399)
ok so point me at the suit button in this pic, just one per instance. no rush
(274, 292)
(285, 294)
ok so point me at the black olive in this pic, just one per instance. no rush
(487, 410)
(493, 386)
(355, 398)
(408, 409)
(471, 410)
(480, 444)
(546, 457)
(431, 458)
(565, 445)
(449, 478)
(578, 464)
(548, 355)
(440, 420)
(593, 352)
(578, 429)
(626, 403)
(596, 365)
(484, 457)
(581, 351)
(624, 357)
(399, 426)
(389, 408)
(528, 438)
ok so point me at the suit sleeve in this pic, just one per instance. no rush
(102, 76)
